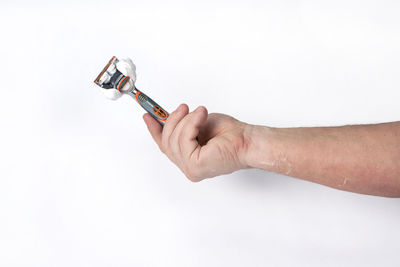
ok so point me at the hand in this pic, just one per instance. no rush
(201, 145)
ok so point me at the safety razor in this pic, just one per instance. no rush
(118, 77)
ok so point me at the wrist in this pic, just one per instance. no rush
(257, 146)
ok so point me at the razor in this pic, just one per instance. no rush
(118, 77)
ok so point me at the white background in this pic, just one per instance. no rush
(83, 184)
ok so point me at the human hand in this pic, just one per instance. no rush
(202, 145)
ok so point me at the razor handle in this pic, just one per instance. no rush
(155, 110)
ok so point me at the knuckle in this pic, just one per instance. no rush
(162, 149)
(193, 174)
(193, 179)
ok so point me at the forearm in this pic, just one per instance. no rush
(363, 159)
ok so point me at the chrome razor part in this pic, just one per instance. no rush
(118, 77)
(110, 77)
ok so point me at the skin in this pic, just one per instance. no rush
(361, 158)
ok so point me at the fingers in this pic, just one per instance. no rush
(155, 129)
(178, 137)
(192, 122)
(173, 120)
(185, 134)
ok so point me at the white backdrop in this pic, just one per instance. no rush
(83, 184)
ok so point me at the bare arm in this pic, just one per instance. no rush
(363, 159)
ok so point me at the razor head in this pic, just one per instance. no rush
(107, 72)
(110, 77)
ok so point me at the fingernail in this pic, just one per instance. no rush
(181, 107)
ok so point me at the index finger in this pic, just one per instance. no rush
(155, 129)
